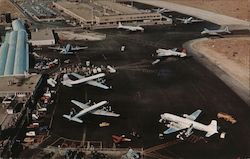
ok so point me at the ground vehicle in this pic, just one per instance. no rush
(226, 117)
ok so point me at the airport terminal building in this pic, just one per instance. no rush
(107, 14)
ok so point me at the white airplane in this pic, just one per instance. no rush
(91, 80)
(216, 32)
(89, 109)
(161, 10)
(189, 20)
(130, 28)
(69, 49)
(179, 123)
(161, 53)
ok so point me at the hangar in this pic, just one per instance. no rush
(14, 52)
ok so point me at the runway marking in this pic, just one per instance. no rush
(136, 65)
(84, 135)
(104, 57)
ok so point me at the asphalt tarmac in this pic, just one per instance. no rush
(141, 92)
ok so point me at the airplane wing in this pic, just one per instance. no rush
(87, 80)
(76, 75)
(180, 19)
(97, 84)
(79, 104)
(194, 115)
(56, 48)
(66, 53)
(104, 113)
(87, 110)
(78, 48)
(171, 130)
(196, 20)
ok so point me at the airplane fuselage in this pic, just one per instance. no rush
(166, 53)
(131, 28)
(83, 79)
(185, 122)
(89, 109)
(215, 32)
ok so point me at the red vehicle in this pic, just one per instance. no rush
(118, 139)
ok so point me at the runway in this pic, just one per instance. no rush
(219, 19)
(141, 92)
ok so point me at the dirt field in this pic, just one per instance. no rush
(6, 6)
(88, 36)
(227, 47)
(235, 8)
(230, 54)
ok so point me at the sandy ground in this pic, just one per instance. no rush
(227, 47)
(6, 6)
(235, 8)
(88, 36)
(231, 55)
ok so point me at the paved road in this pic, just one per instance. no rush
(219, 19)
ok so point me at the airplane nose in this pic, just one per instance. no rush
(160, 121)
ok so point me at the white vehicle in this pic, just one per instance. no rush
(91, 80)
(130, 28)
(179, 123)
(123, 48)
(42, 110)
(216, 32)
(36, 55)
(111, 69)
(189, 20)
(161, 53)
(31, 133)
(69, 49)
(35, 117)
(51, 82)
(89, 109)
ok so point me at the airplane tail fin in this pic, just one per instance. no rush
(213, 128)
(65, 79)
(227, 29)
(191, 18)
(213, 125)
(119, 24)
(204, 31)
